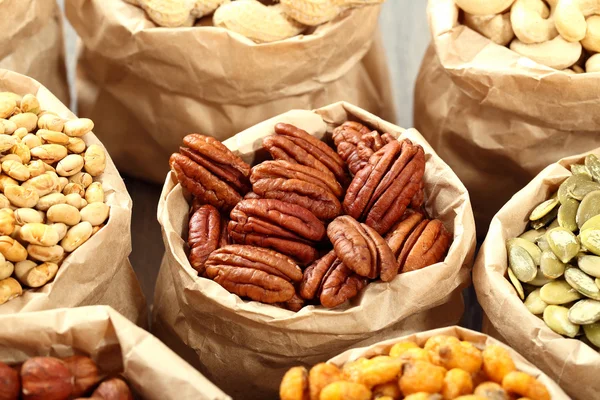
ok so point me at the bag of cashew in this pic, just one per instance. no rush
(32, 43)
(557, 309)
(66, 214)
(158, 83)
(496, 117)
(245, 347)
(98, 345)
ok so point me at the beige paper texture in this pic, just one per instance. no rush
(478, 339)
(114, 343)
(573, 364)
(159, 84)
(245, 347)
(31, 43)
(495, 117)
(98, 272)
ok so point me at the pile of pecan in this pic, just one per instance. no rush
(312, 225)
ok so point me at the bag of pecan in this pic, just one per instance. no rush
(496, 117)
(92, 352)
(32, 43)
(288, 252)
(559, 320)
(65, 213)
(212, 80)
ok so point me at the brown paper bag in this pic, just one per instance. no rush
(573, 364)
(478, 339)
(245, 347)
(98, 272)
(495, 117)
(114, 343)
(159, 84)
(31, 43)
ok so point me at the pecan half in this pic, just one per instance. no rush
(387, 266)
(314, 274)
(403, 228)
(340, 285)
(323, 204)
(295, 304)
(353, 246)
(282, 148)
(284, 169)
(216, 151)
(410, 242)
(204, 235)
(430, 248)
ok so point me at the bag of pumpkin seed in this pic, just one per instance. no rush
(159, 83)
(537, 273)
(31, 43)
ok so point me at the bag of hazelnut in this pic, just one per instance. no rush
(559, 335)
(159, 83)
(244, 346)
(496, 117)
(32, 43)
(65, 215)
(92, 352)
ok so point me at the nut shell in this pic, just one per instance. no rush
(46, 378)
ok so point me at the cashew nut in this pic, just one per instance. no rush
(49, 200)
(95, 213)
(31, 141)
(570, 16)
(49, 153)
(28, 215)
(22, 196)
(82, 178)
(12, 250)
(40, 234)
(531, 22)
(51, 121)
(95, 193)
(484, 7)
(65, 213)
(6, 268)
(75, 200)
(76, 236)
(593, 63)
(74, 188)
(78, 127)
(25, 120)
(33, 275)
(95, 160)
(497, 28)
(15, 170)
(556, 53)
(7, 221)
(52, 254)
(76, 145)
(70, 165)
(591, 41)
(52, 137)
(9, 289)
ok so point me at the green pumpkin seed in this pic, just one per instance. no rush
(582, 282)
(543, 209)
(589, 264)
(590, 238)
(589, 208)
(539, 280)
(592, 223)
(553, 224)
(558, 292)
(582, 189)
(567, 214)
(557, 319)
(593, 165)
(579, 169)
(545, 220)
(533, 250)
(533, 235)
(565, 187)
(597, 282)
(516, 284)
(563, 243)
(534, 303)
(551, 266)
(542, 243)
(521, 263)
(585, 312)
(592, 333)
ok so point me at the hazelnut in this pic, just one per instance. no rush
(85, 373)
(10, 388)
(46, 378)
(113, 389)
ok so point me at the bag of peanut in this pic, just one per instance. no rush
(32, 43)
(159, 83)
(497, 117)
(70, 353)
(215, 329)
(65, 212)
(545, 291)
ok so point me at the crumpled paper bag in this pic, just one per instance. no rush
(98, 272)
(571, 363)
(114, 343)
(495, 117)
(154, 85)
(245, 347)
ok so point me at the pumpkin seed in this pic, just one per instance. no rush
(533, 235)
(542, 243)
(558, 292)
(557, 319)
(553, 224)
(563, 243)
(567, 214)
(545, 220)
(539, 280)
(585, 312)
(533, 250)
(516, 284)
(579, 169)
(589, 208)
(592, 223)
(592, 333)
(593, 165)
(534, 303)
(543, 209)
(582, 282)
(597, 282)
(551, 266)
(563, 189)
(590, 238)
(589, 264)
(521, 263)
(582, 189)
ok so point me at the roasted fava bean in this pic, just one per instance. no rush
(70, 165)
(66, 214)
(50, 200)
(6, 268)
(4, 203)
(76, 145)
(36, 168)
(95, 160)
(76, 236)
(33, 275)
(78, 127)
(49, 153)
(43, 184)
(40, 234)
(53, 254)
(52, 137)
(75, 200)
(7, 221)
(16, 170)
(28, 215)
(30, 104)
(22, 196)
(61, 229)
(9, 289)
(21, 151)
(51, 122)
(94, 193)
(82, 178)
(423, 396)
(31, 141)
(25, 120)
(75, 188)
(12, 250)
